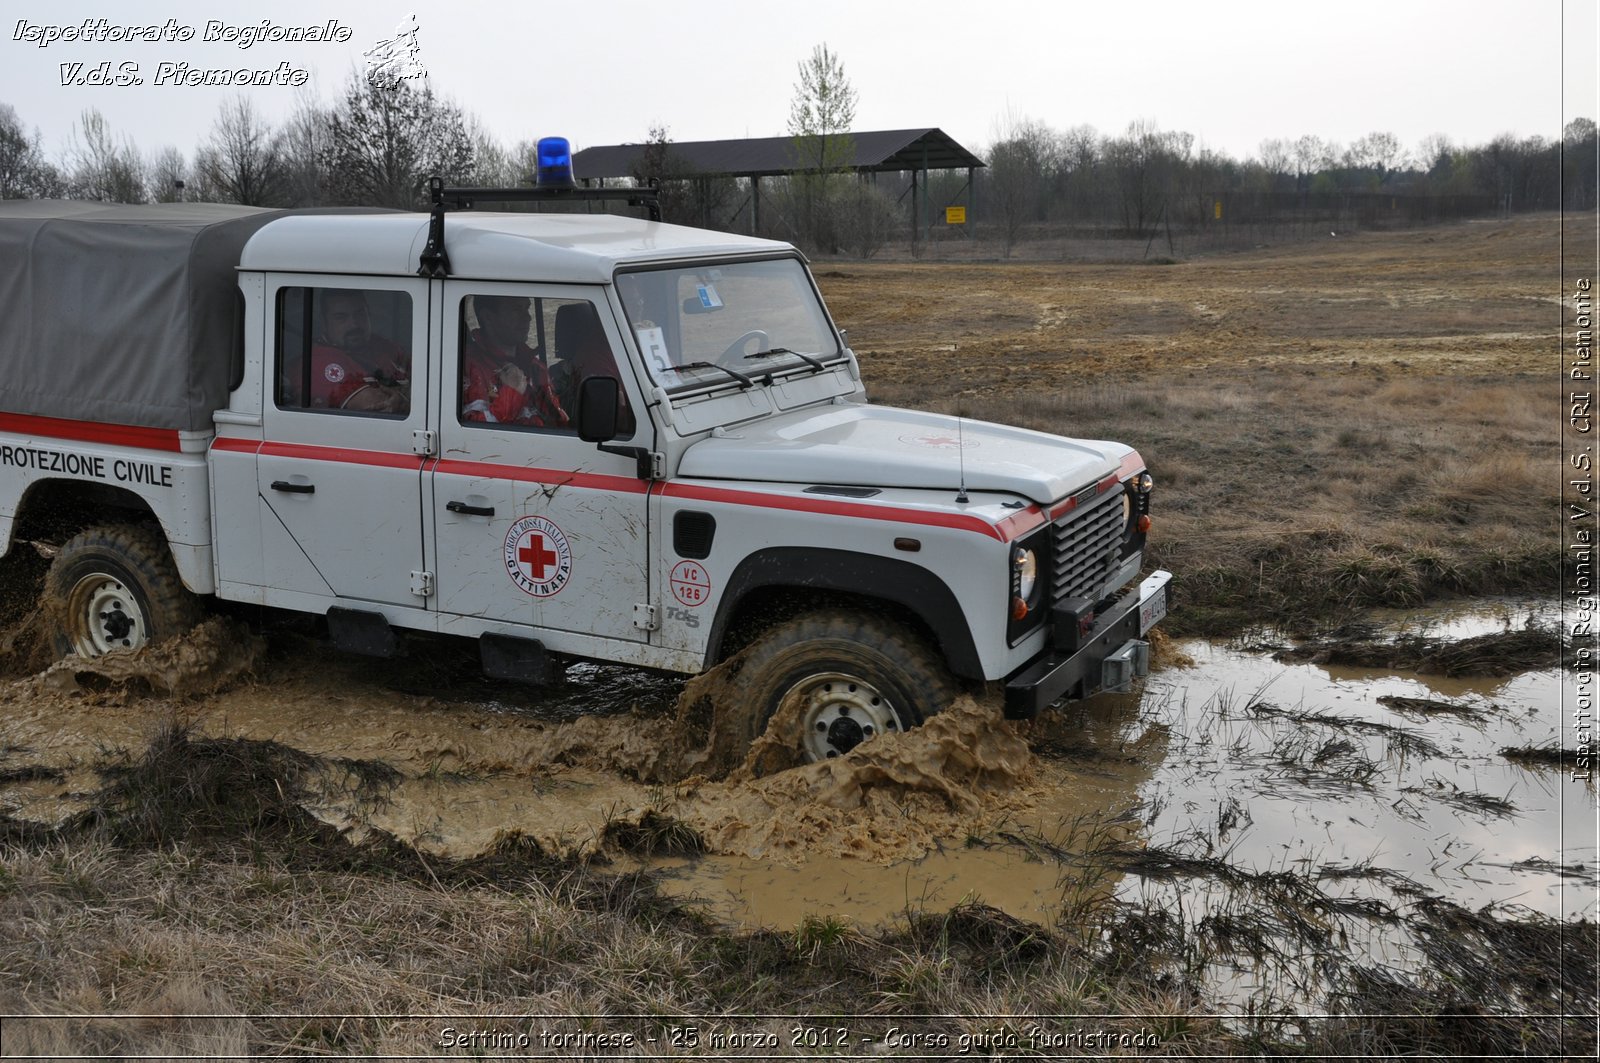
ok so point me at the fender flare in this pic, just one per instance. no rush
(809, 568)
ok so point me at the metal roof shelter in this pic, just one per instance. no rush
(875, 151)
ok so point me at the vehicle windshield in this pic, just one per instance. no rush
(694, 324)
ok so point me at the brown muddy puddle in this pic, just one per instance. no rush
(1242, 766)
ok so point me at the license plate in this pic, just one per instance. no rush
(1152, 609)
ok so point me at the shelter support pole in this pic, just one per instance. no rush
(972, 202)
(927, 190)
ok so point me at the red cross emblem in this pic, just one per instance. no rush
(538, 557)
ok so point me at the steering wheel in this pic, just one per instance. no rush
(739, 344)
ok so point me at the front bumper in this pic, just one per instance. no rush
(1053, 675)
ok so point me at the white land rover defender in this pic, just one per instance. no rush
(566, 436)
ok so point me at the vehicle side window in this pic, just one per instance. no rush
(344, 350)
(523, 358)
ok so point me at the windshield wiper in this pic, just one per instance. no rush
(744, 381)
(806, 358)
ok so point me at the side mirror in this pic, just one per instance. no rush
(598, 401)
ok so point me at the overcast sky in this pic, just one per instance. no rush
(1231, 73)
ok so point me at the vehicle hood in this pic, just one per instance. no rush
(878, 446)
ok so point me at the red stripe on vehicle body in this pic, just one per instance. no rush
(127, 435)
(345, 455)
(1007, 530)
(1021, 523)
(630, 485)
(831, 508)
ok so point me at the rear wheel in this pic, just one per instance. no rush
(115, 587)
(842, 678)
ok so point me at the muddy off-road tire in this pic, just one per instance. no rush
(113, 587)
(856, 675)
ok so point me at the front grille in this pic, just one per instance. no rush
(1088, 546)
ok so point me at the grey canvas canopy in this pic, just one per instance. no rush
(121, 314)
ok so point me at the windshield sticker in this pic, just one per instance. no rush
(709, 299)
(942, 442)
(653, 342)
(690, 584)
(538, 557)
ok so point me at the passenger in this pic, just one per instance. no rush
(584, 351)
(503, 380)
(352, 367)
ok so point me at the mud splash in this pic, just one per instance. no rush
(893, 798)
(210, 658)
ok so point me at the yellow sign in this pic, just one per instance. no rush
(1219, 208)
(955, 215)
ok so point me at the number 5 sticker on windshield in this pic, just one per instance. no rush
(653, 342)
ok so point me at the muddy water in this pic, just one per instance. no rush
(1263, 766)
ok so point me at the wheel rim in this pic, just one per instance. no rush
(838, 712)
(103, 615)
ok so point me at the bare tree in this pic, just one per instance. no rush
(1312, 155)
(659, 163)
(304, 141)
(1076, 175)
(1022, 164)
(243, 158)
(1578, 164)
(104, 167)
(167, 168)
(1140, 161)
(496, 167)
(821, 115)
(1274, 154)
(24, 171)
(1434, 154)
(386, 140)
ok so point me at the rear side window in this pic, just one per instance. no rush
(343, 350)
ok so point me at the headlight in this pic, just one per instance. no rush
(1025, 573)
(1028, 587)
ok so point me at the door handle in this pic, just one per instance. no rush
(474, 511)
(294, 489)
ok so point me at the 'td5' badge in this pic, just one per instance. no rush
(538, 557)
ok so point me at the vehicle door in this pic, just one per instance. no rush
(337, 467)
(531, 524)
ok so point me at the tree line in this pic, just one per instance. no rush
(1145, 179)
(378, 143)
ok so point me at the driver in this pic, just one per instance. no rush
(581, 342)
(503, 380)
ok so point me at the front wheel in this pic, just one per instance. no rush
(842, 678)
(115, 587)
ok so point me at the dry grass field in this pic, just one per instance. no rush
(1372, 419)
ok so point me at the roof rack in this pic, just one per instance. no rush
(434, 262)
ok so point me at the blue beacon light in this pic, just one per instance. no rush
(555, 163)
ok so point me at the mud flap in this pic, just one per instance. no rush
(508, 657)
(360, 631)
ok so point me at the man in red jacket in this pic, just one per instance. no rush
(352, 367)
(503, 380)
